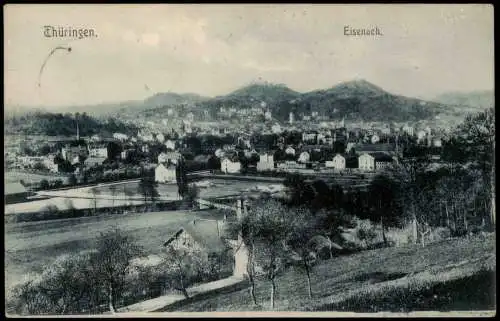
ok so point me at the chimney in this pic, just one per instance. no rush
(77, 131)
(194, 222)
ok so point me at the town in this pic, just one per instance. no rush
(249, 159)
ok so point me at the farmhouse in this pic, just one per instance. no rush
(165, 174)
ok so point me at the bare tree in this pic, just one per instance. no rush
(115, 250)
(182, 263)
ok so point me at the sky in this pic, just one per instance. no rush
(214, 49)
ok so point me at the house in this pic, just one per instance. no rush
(120, 136)
(376, 160)
(93, 161)
(268, 115)
(170, 157)
(291, 165)
(170, 144)
(309, 136)
(165, 174)
(338, 162)
(290, 150)
(382, 160)
(98, 152)
(15, 192)
(70, 152)
(366, 162)
(266, 162)
(304, 157)
(230, 165)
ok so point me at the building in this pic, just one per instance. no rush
(170, 144)
(290, 150)
(70, 153)
(309, 136)
(165, 174)
(93, 161)
(15, 193)
(230, 166)
(98, 152)
(120, 136)
(169, 157)
(375, 161)
(291, 165)
(338, 162)
(206, 237)
(304, 157)
(266, 163)
(268, 115)
(366, 162)
(291, 118)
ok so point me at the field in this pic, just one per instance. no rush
(390, 279)
(30, 246)
(14, 176)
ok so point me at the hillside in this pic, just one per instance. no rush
(476, 99)
(354, 100)
(57, 124)
(450, 275)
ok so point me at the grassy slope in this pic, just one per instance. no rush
(334, 280)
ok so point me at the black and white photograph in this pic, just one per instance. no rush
(252, 160)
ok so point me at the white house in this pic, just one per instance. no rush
(339, 162)
(172, 157)
(290, 150)
(170, 144)
(304, 157)
(366, 162)
(229, 166)
(266, 162)
(165, 174)
(98, 152)
(120, 136)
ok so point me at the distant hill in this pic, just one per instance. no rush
(57, 124)
(169, 98)
(353, 100)
(475, 99)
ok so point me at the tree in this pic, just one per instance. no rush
(95, 192)
(148, 188)
(44, 184)
(271, 227)
(72, 180)
(303, 230)
(190, 196)
(181, 177)
(183, 264)
(476, 136)
(382, 200)
(115, 250)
